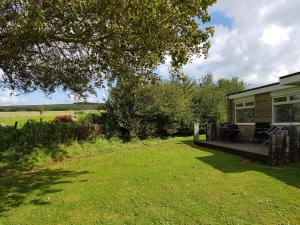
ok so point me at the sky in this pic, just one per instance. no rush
(256, 41)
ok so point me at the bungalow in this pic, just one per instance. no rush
(276, 104)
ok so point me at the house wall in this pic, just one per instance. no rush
(263, 108)
(263, 114)
(263, 102)
(247, 131)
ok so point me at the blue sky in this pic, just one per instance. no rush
(219, 18)
(39, 98)
(257, 41)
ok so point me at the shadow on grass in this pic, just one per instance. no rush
(229, 163)
(20, 147)
(28, 156)
(18, 188)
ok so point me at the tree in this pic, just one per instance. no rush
(230, 86)
(139, 110)
(142, 111)
(78, 44)
(210, 98)
(208, 103)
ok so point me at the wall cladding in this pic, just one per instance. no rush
(263, 108)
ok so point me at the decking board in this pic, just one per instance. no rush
(250, 150)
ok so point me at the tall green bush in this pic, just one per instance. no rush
(209, 98)
(167, 107)
(147, 110)
(34, 134)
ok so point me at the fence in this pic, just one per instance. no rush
(284, 146)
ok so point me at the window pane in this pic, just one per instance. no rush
(280, 99)
(282, 113)
(245, 115)
(239, 104)
(287, 113)
(296, 112)
(249, 104)
(294, 97)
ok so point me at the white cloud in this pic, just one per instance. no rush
(8, 97)
(275, 35)
(269, 8)
(72, 98)
(261, 44)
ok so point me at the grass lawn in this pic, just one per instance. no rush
(153, 182)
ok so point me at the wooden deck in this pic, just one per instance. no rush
(250, 150)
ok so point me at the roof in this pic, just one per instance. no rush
(256, 88)
(290, 75)
(285, 82)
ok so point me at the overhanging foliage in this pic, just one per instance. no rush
(78, 44)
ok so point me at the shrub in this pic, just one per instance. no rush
(166, 108)
(150, 110)
(35, 133)
(209, 101)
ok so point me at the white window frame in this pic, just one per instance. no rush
(288, 101)
(243, 107)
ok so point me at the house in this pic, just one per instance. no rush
(277, 104)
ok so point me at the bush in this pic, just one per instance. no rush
(151, 110)
(35, 133)
(166, 108)
(209, 100)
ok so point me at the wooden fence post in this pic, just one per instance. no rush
(208, 133)
(196, 132)
(297, 156)
(287, 150)
(218, 131)
(280, 148)
(284, 151)
(284, 147)
(272, 146)
(292, 143)
(213, 131)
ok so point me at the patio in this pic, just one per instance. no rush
(247, 149)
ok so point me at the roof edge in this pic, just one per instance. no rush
(290, 75)
(268, 85)
(256, 88)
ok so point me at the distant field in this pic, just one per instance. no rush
(54, 107)
(10, 118)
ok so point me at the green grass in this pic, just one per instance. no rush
(10, 118)
(152, 182)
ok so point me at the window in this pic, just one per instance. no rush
(240, 105)
(294, 97)
(245, 112)
(249, 104)
(286, 109)
(280, 99)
